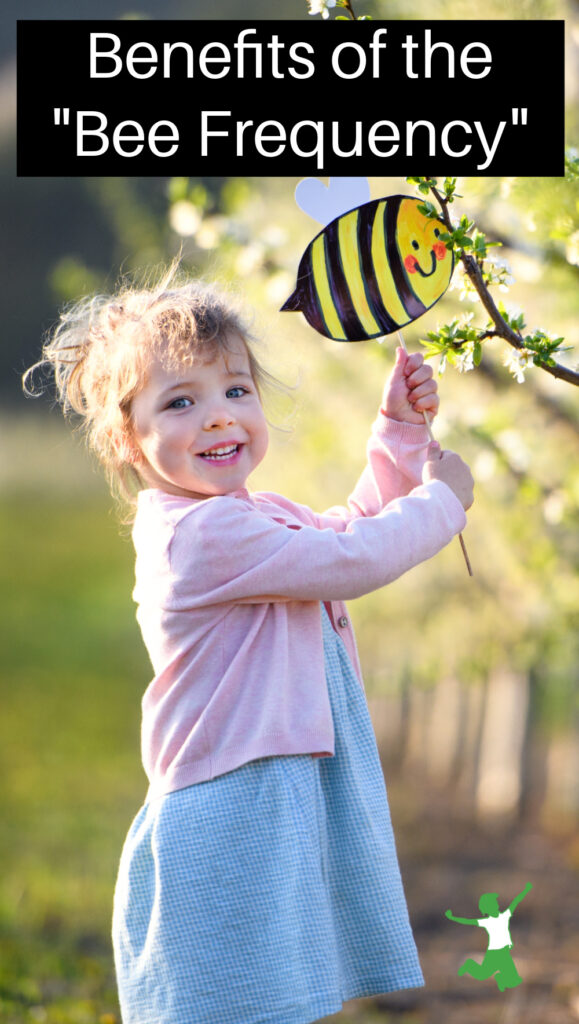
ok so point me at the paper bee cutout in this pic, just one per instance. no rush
(372, 270)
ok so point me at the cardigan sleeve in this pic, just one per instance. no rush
(227, 550)
(396, 453)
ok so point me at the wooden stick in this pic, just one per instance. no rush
(432, 438)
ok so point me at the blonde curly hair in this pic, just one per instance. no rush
(102, 347)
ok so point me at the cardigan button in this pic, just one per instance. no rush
(342, 622)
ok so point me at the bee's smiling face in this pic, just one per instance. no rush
(425, 257)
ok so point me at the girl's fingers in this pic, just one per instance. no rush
(402, 357)
(413, 363)
(424, 399)
(429, 405)
(420, 376)
(423, 390)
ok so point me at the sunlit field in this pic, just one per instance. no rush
(72, 673)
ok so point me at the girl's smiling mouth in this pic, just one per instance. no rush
(225, 453)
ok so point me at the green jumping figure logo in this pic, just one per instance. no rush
(498, 960)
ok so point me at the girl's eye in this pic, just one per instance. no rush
(181, 403)
(237, 392)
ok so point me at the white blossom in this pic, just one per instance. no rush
(321, 7)
(505, 282)
(461, 280)
(500, 272)
(517, 362)
(465, 359)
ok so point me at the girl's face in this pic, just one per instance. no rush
(200, 430)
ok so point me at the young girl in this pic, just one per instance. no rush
(259, 884)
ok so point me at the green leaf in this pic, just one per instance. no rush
(449, 188)
(428, 210)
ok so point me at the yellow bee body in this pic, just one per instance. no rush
(372, 270)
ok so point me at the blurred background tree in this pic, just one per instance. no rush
(472, 683)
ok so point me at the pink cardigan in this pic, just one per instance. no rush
(229, 591)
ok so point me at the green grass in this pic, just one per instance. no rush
(73, 673)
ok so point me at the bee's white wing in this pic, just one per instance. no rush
(326, 202)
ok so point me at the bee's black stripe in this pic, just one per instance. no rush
(414, 307)
(353, 329)
(311, 306)
(366, 217)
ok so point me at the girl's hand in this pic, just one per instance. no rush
(410, 389)
(449, 467)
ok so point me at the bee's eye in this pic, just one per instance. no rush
(415, 244)
(436, 233)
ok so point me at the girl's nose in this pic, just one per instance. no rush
(218, 417)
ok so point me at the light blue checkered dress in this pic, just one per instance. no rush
(271, 894)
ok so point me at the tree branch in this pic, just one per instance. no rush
(566, 417)
(348, 6)
(502, 328)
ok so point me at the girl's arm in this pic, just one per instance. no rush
(396, 454)
(225, 550)
(397, 447)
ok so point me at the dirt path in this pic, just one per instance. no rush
(450, 863)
